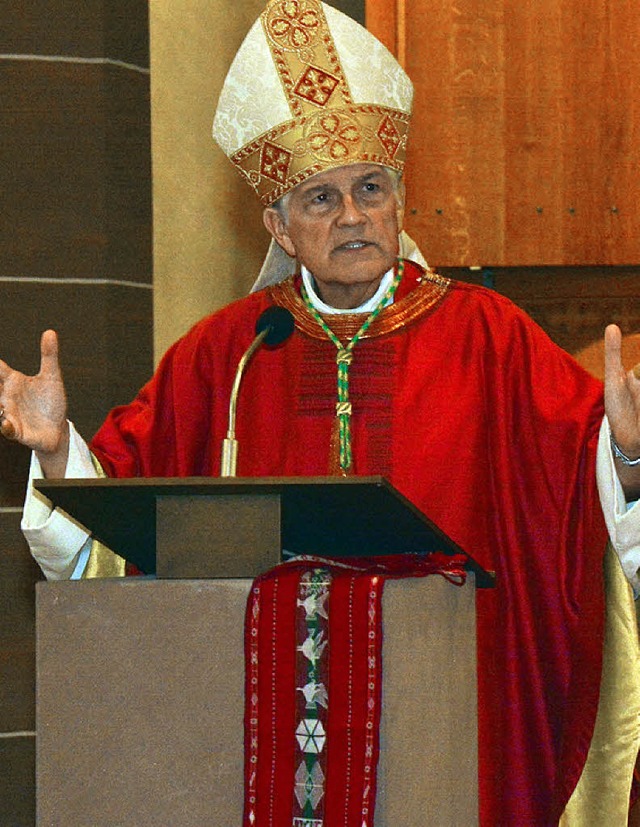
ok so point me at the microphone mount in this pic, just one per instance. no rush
(273, 327)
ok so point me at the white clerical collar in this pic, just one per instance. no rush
(367, 307)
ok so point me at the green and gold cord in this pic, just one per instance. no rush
(344, 358)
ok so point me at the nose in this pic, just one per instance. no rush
(351, 213)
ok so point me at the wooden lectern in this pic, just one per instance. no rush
(140, 681)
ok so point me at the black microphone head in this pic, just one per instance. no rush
(279, 323)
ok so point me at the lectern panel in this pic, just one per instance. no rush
(217, 536)
(140, 704)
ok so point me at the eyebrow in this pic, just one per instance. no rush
(362, 179)
(316, 188)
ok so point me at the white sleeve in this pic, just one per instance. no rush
(59, 545)
(622, 518)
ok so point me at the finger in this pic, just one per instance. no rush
(49, 352)
(612, 353)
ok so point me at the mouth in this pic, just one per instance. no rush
(351, 246)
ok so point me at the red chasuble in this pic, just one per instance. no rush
(479, 419)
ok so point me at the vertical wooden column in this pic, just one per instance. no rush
(208, 236)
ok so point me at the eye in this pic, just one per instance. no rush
(321, 200)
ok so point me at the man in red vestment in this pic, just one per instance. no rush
(452, 393)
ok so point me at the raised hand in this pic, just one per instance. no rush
(34, 408)
(622, 406)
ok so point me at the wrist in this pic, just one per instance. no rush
(629, 459)
(54, 461)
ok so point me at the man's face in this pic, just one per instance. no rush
(343, 226)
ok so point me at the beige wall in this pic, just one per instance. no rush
(209, 241)
(208, 236)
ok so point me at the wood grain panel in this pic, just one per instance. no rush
(572, 304)
(525, 138)
(534, 201)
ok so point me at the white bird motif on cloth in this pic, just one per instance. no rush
(313, 647)
(315, 693)
(314, 604)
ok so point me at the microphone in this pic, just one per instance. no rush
(273, 327)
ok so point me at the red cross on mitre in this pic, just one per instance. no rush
(389, 136)
(274, 162)
(316, 86)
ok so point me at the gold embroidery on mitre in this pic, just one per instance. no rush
(292, 152)
(305, 55)
(334, 136)
(274, 162)
(316, 86)
(327, 128)
(292, 24)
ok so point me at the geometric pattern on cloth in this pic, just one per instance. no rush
(274, 162)
(312, 706)
(313, 650)
(309, 788)
(316, 86)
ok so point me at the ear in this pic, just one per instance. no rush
(277, 227)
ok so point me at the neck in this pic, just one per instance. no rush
(360, 298)
(346, 297)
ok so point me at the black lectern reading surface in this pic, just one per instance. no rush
(327, 516)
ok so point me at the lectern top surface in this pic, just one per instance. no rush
(331, 516)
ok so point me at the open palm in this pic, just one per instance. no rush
(35, 407)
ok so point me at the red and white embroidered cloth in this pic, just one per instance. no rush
(313, 686)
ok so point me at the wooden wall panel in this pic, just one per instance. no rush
(17, 800)
(525, 142)
(83, 208)
(572, 304)
(75, 254)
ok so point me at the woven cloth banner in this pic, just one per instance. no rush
(313, 648)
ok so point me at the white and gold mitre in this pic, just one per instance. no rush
(309, 90)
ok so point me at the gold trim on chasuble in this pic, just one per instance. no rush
(602, 793)
(428, 292)
(102, 561)
(327, 128)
